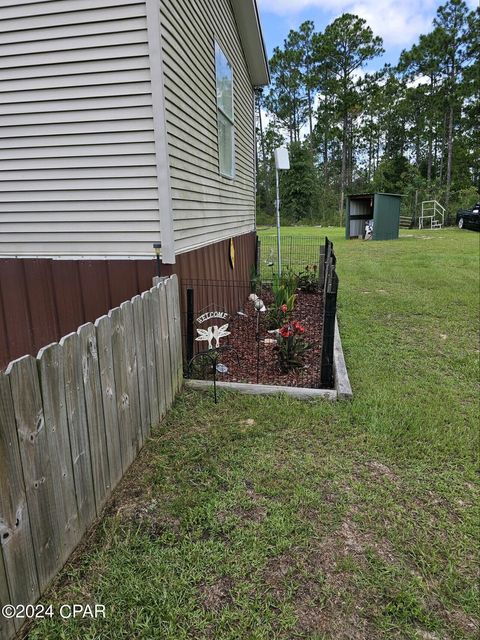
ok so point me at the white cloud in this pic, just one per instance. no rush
(287, 7)
(398, 23)
(417, 81)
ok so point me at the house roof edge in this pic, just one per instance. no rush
(251, 36)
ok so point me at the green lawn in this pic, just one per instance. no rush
(269, 518)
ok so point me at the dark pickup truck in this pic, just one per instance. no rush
(469, 218)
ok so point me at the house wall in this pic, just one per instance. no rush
(78, 144)
(77, 156)
(206, 206)
(44, 299)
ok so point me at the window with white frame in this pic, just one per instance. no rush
(226, 135)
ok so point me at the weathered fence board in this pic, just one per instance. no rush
(126, 310)
(95, 418)
(165, 338)
(37, 467)
(103, 328)
(172, 334)
(162, 402)
(7, 627)
(78, 429)
(177, 326)
(51, 369)
(15, 533)
(71, 423)
(124, 416)
(144, 407)
(151, 363)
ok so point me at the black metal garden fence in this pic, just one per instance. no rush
(233, 321)
(329, 284)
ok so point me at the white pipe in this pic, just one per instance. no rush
(279, 253)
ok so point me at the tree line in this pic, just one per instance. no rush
(410, 128)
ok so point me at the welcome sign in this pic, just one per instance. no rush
(211, 326)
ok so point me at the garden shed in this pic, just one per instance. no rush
(380, 210)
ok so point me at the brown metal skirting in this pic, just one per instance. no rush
(212, 265)
(42, 300)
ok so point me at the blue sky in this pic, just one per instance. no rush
(399, 22)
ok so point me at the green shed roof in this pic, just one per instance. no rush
(376, 193)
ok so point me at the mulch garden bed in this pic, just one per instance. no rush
(241, 358)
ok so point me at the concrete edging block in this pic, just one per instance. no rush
(302, 393)
(342, 382)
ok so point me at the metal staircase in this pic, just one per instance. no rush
(433, 215)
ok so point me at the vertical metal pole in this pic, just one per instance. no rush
(257, 337)
(190, 321)
(215, 377)
(279, 252)
(157, 247)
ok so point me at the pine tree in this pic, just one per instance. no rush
(348, 43)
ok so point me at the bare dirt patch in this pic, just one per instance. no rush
(329, 605)
(251, 514)
(251, 493)
(149, 517)
(218, 595)
(276, 571)
(380, 470)
(466, 624)
(328, 601)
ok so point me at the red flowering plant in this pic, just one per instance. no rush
(291, 345)
(278, 314)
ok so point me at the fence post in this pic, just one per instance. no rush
(330, 310)
(258, 248)
(329, 256)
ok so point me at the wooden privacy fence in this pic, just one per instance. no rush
(72, 421)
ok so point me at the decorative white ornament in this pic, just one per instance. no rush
(211, 334)
(254, 298)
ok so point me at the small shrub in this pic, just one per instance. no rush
(289, 281)
(291, 345)
(308, 279)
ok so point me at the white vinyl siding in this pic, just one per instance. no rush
(207, 207)
(77, 151)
